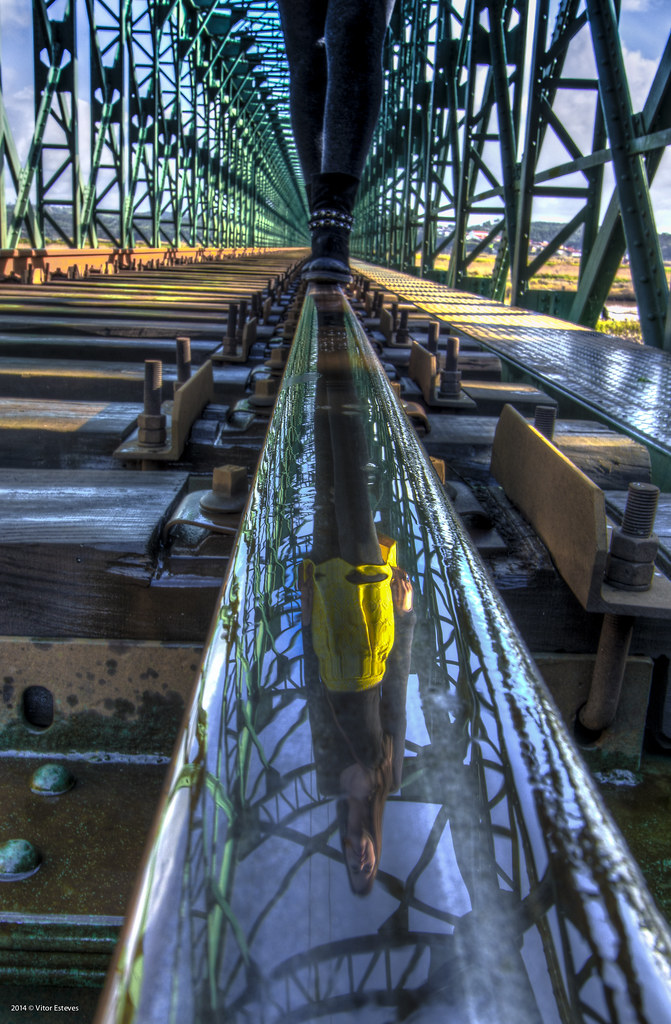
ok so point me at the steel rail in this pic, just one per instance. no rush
(503, 892)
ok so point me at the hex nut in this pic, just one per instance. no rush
(152, 437)
(148, 421)
(633, 549)
(629, 575)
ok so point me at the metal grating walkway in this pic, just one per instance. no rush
(626, 384)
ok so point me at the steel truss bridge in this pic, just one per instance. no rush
(165, 123)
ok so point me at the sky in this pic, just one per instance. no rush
(644, 28)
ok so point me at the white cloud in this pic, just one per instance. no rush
(640, 73)
(637, 6)
(576, 110)
(13, 15)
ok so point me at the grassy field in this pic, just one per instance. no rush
(561, 274)
(558, 274)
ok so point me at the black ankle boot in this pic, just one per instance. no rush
(333, 196)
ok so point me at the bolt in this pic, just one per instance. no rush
(630, 566)
(229, 489)
(183, 359)
(153, 381)
(640, 510)
(231, 328)
(450, 376)
(278, 357)
(633, 547)
(434, 334)
(402, 332)
(611, 661)
(152, 422)
(266, 387)
(544, 420)
(242, 318)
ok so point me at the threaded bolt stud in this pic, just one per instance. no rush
(183, 359)
(640, 510)
(153, 382)
(434, 334)
(544, 420)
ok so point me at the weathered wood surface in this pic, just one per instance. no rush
(81, 555)
(132, 324)
(62, 435)
(473, 365)
(609, 459)
(72, 380)
(49, 345)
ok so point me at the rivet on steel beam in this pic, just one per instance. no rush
(544, 420)
(19, 859)
(52, 780)
(229, 490)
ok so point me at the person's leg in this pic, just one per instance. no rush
(355, 32)
(303, 26)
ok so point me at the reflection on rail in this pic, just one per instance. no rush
(373, 812)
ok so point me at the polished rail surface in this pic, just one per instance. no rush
(429, 848)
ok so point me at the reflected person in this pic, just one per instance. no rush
(358, 623)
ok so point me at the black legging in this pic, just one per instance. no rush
(334, 48)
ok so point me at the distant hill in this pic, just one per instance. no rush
(545, 230)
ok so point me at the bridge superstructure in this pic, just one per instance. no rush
(166, 123)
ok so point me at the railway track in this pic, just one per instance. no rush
(113, 556)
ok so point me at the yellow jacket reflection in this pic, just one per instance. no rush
(352, 619)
